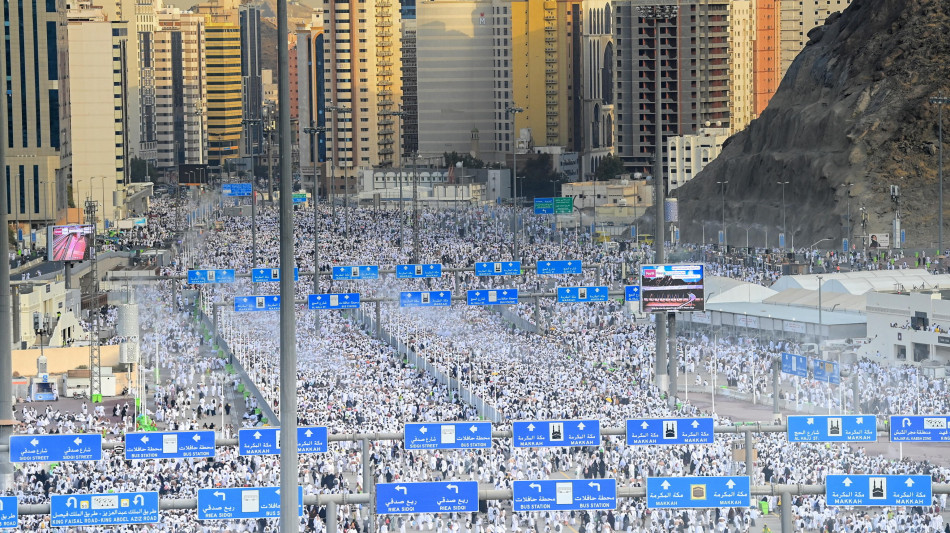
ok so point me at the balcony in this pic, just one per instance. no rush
(385, 73)
(550, 91)
(383, 3)
(386, 151)
(386, 103)
(385, 122)
(387, 131)
(382, 64)
(383, 34)
(550, 38)
(383, 24)
(385, 93)
(385, 142)
(550, 70)
(549, 59)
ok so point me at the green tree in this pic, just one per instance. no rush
(538, 175)
(467, 160)
(141, 170)
(609, 167)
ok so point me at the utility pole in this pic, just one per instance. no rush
(513, 112)
(415, 209)
(290, 523)
(95, 350)
(655, 14)
(6, 316)
(940, 101)
(312, 131)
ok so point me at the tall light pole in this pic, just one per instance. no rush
(819, 316)
(722, 189)
(513, 113)
(336, 128)
(663, 366)
(315, 198)
(402, 221)
(784, 227)
(940, 101)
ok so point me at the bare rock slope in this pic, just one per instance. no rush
(853, 108)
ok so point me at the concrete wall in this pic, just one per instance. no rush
(59, 360)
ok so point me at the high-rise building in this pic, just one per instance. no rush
(32, 35)
(310, 96)
(145, 144)
(672, 64)
(466, 89)
(223, 57)
(362, 76)
(766, 55)
(180, 89)
(251, 84)
(95, 152)
(742, 30)
(542, 57)
(594, 132)
(798, 18)
(410, 89)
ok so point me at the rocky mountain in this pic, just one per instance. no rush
(852, 109)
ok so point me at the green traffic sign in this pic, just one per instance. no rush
(563, 206)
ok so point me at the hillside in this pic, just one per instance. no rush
(853, 108)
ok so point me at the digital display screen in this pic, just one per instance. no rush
(672, 288)
(69, 243)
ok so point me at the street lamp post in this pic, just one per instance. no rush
(402, 221)
(784, 227)
(940, 101)
(513, 113)
(722, 188)
(336, 127)
(819, 316)
(315, 198)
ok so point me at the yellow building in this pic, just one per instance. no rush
(742, 35)
(541, 33)
(223, 60)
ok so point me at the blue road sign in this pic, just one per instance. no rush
(169, 444)
(697, 492)
(425, 299)
(8, 512)
(312, 439)
(670, 431)
(242, 502)
(721, 237)
(493, 297)
(825, 371)
(535, 433)
(794, 364)
(564, 494)
(844, 245)
(263, 275)
(631, 293)
(258, 441)
(781, 241)
(433, 497)
(549, 268)
(920, 428)
(832, 428)
(544, 206)
(235, 189)
(875, 490)
(201, 277)
(582, 294)
(428, 270)
(244, 304)
(345, 273)
(103, 509)
(498, 268)
(903, 237)
(54, 448)
(341, 300)
(266, 441)
(448, 436)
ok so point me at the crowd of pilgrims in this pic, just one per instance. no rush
(592, 361)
